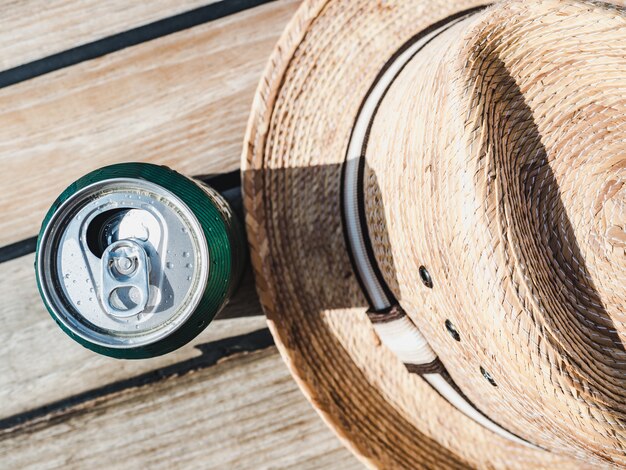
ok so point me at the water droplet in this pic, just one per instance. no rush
(189, 278)
(184, 230)
(78, 302)
(169, 265)
(185, 254)
(67, 276)
(90, 299)
(169, 296)
(168, 251)
(91, 289)
(189, 265)
(78, 217)
(87, 280)
(74, 281)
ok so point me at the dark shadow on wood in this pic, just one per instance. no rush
(62, 410)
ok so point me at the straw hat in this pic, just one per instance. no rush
(436, 206)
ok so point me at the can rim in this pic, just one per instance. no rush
(50, 237)
(222, 266)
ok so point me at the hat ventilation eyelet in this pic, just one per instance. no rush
(425, 277)
(488, 376)
(452, 330)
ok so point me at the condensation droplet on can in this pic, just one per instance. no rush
(185, 254)
(183, 229)
(189, 265)
(67, 276)
(169, 265)
(78, 302)
(189, 278)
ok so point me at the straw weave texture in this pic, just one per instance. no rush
(496, 160)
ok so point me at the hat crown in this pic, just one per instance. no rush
(497, 159)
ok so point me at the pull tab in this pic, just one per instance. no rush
(125, 278)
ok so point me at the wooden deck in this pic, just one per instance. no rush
(87, 83)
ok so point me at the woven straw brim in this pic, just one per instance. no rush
(295, 147)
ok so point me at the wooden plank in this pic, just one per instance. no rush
(41, 365)
(182, 100)
(31, 31)
(245, 412)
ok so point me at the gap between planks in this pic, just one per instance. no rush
(242, 413)
(128, 38)
(181, 100)
(42, 365)
(211, 353)
(31, 32)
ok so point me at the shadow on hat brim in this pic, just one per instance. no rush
(317, 314)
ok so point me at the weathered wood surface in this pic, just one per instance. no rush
(41, 364)
(243, 413)
(180, 100)
(31, 31)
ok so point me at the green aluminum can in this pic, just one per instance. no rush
(134, 260)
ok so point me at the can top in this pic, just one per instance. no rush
(122, 263)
